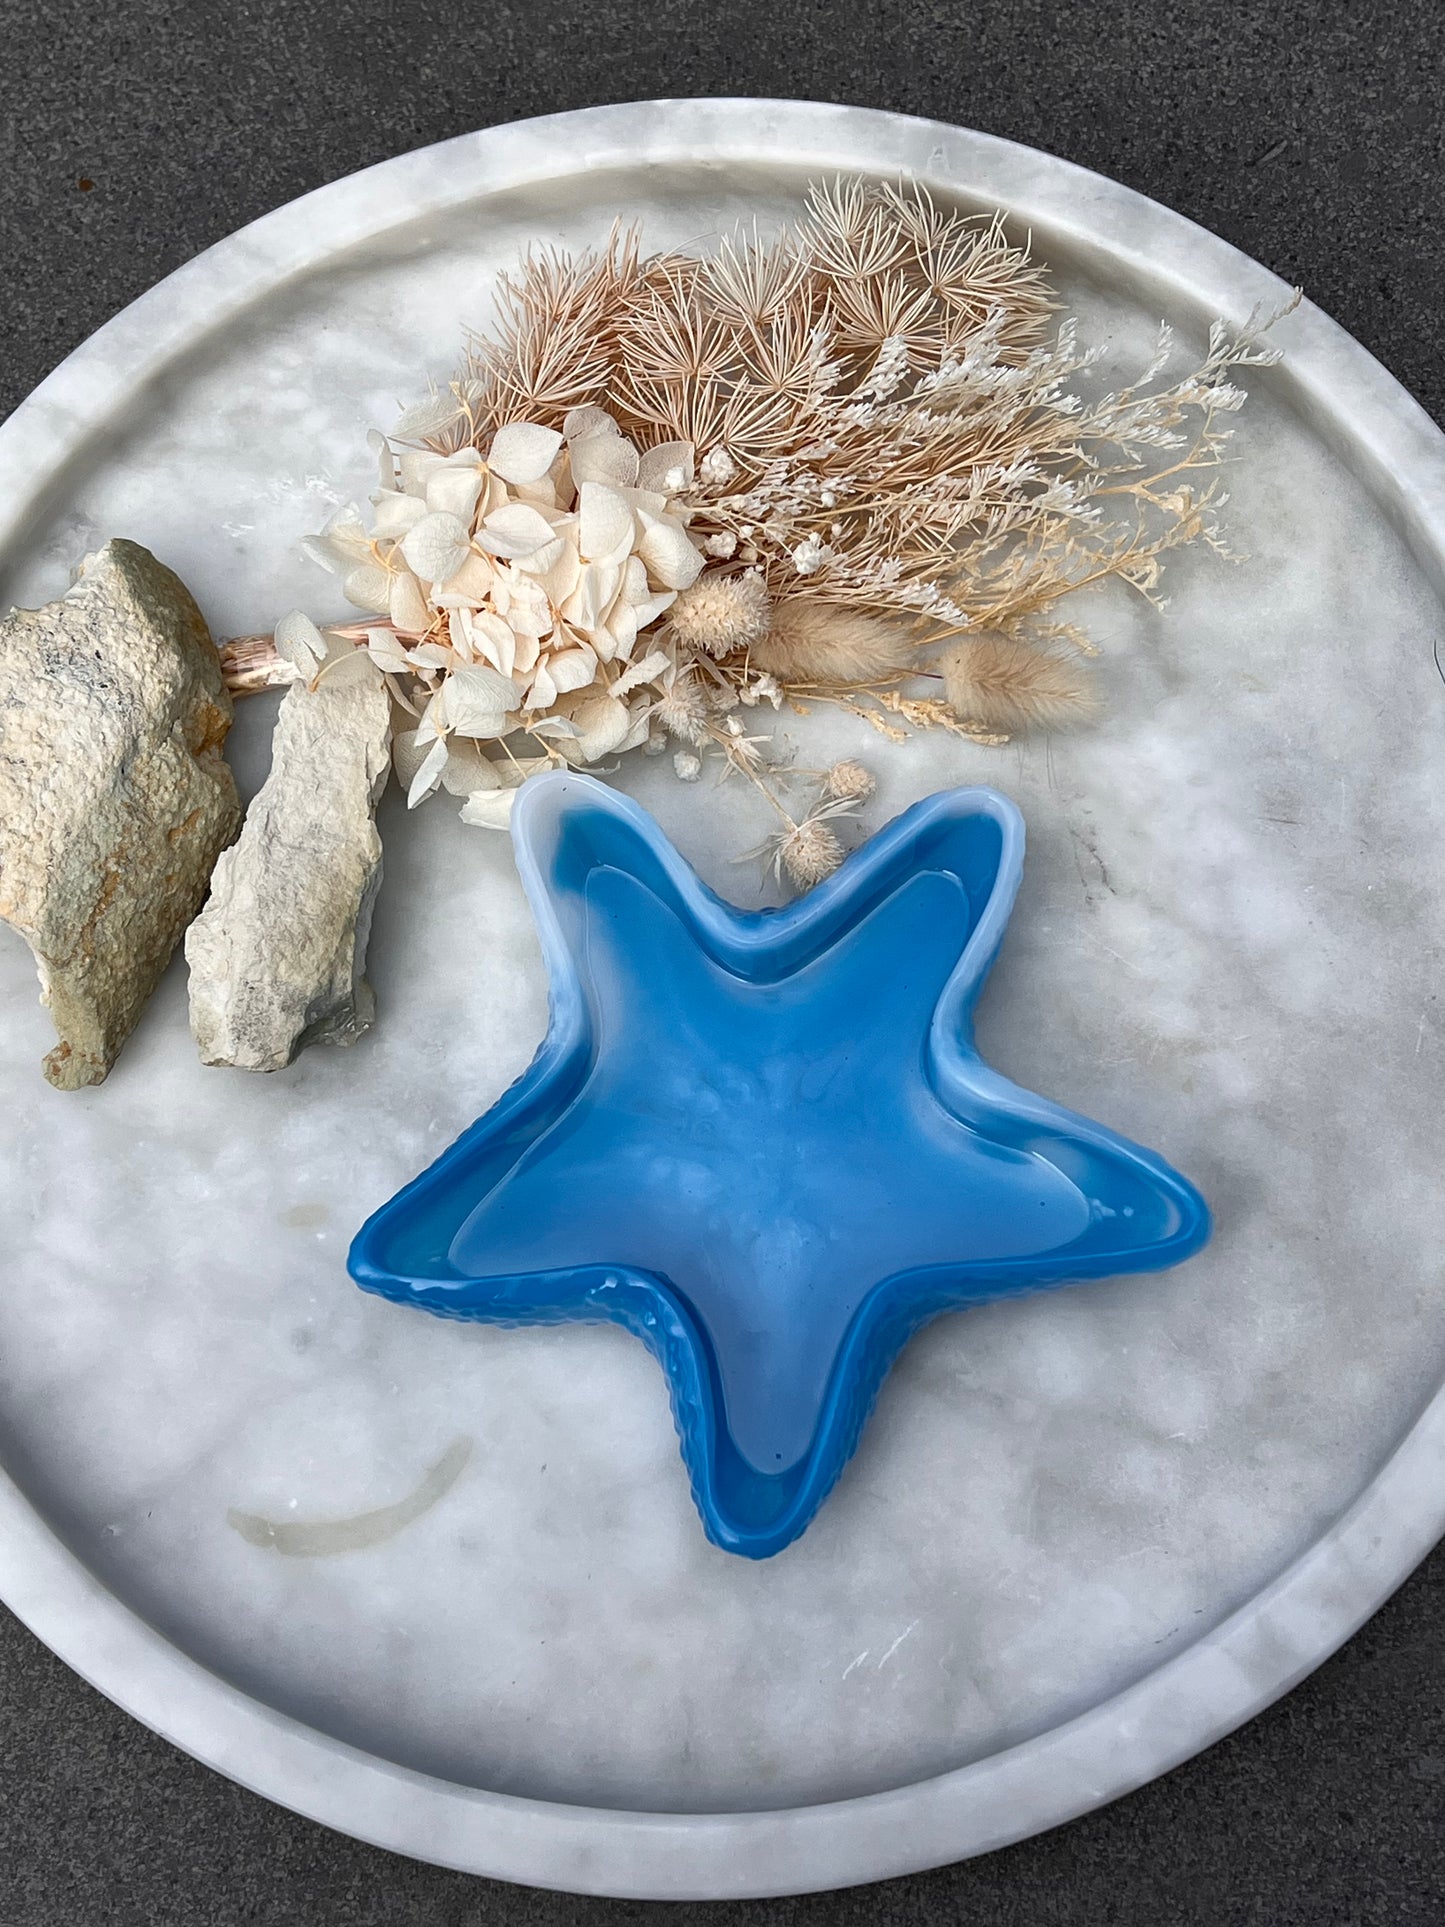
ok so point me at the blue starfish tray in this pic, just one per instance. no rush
(764, 1142)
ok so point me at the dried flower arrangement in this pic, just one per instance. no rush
(844, 465)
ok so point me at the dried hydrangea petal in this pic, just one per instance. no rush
(654, 606)
(413, 468)
(668, 468)
(471, 583)
(528, 610)
(602, 723)
(369, 588)
(523, 451)
(395, 513)
(430, 655)
(604, 519)
(620, 623)
(559, 580)
(640, 710)
(408, 754)
(516, 529)
(543, 691)
(385, 460)
(428, 417)
(579, 423)
(672, 559)
(407, 605)
(468, 768)
(299, 642)
(572, 668)
(647, 670)
(558, 726)
(476, 700)
(386, 652)
(538, 495)
(454, 491)
(343, 541)
(491, 809)
(540, 561)
(459, 635)
(437, 547)
(596, 586)
(428, 775)
(609, 459)
(496, 639)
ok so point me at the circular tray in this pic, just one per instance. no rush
(1085, 1534)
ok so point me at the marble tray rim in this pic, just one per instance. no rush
(1232, 1672)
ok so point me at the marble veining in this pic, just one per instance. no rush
(1087, 1532)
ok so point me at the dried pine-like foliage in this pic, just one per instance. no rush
(880, 417)
(859, 461)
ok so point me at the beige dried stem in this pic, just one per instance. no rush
(887, 455)
(891, 450)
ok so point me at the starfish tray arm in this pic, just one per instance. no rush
(764, 1142)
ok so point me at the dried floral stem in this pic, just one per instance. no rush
(665, 490)
(250, 664)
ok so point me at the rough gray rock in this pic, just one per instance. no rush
(115, 799)
(277, 955)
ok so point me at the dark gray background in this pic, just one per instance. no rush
(1310, 135)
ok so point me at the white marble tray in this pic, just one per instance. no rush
(1086, 1533)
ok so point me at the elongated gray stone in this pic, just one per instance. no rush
(277, 956)
(115, 799)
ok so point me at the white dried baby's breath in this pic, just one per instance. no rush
(810, 555)
(718, 468)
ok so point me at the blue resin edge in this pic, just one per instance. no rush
(565, 826)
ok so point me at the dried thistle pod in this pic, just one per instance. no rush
(849, 782)
(721, 614)
(809, 852)
(1005, 683)
(682, 709)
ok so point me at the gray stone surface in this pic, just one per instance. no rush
(1307, 135)
(277, 955)
(115, 797)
